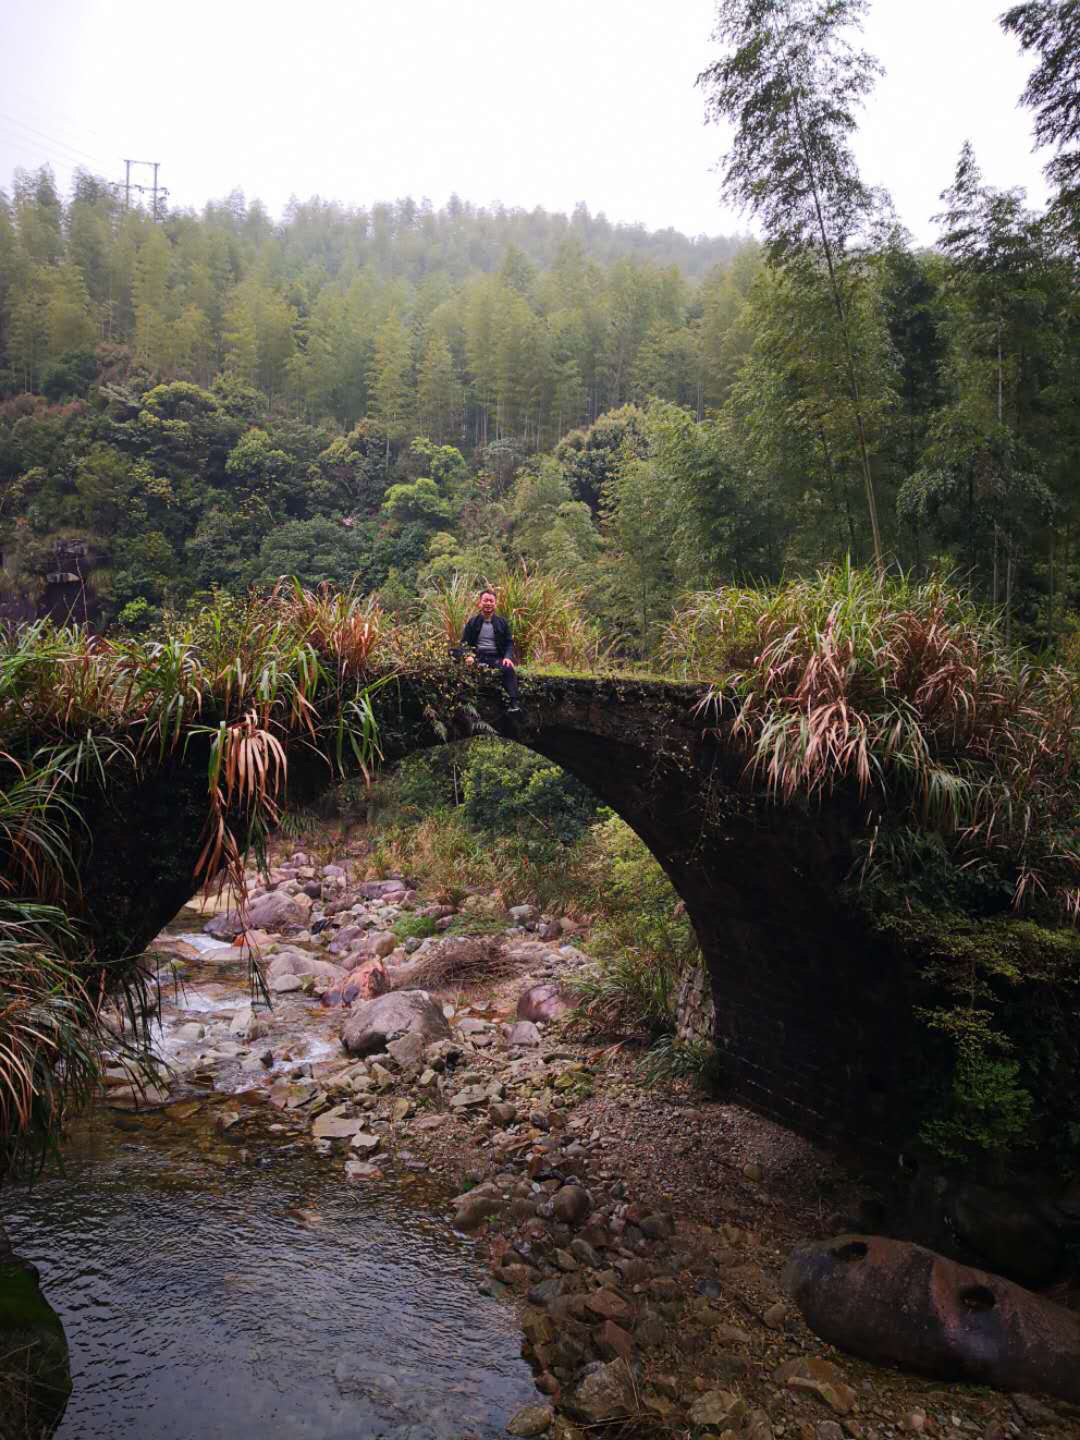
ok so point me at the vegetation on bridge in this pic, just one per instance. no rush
(906, 692)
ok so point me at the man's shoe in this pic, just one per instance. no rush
(514, 710)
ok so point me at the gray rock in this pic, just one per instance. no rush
(408, 1049)
(713, 1408)
(283, 984)
(372, 1024)
(382, 889)
(604, 1392)
(362, 1170)
(275, 911)
(521, 913)
(346, 940)
(524, 1035)
(582, 1251)
(471, 1095)
(295, 962)
(336, 1125)
(543, 1002)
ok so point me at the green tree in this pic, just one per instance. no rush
(437, 390)
(69, 320)
(1051, 30)
(790, 86)
(391, 390)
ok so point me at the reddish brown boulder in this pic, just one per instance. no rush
(543, 1002)
(363, 983)
(892, 1301)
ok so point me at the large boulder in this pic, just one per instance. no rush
(373, 1023)
(382, 889)
(894, 1302)
(273, 910)
(295, 962)
(545, 1001)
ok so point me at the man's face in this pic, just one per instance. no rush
(487, 604)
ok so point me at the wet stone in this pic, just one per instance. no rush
(531, 1420)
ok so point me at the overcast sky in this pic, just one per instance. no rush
(496, 100)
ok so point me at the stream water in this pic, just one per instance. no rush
(231, 1284)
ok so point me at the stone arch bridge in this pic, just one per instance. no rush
(813, 1025)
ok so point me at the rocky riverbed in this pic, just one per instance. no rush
(640, 1233)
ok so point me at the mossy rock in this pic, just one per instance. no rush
(35, 1375)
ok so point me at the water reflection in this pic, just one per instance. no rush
(234, 1285)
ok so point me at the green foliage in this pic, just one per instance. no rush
(628, 991)
(904, 694)
(510, 791)
(641, 936)
(669, 1059)
(420, 503)
(414, 927)
(313, 551)
(1051, 29)
(1000, 1029)
(986, 1111)
(590, 458)
(69, 375)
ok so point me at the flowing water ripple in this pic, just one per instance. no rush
(207, 1296)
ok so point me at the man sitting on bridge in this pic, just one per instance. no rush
(490, 642)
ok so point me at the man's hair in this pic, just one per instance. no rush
(487, 590)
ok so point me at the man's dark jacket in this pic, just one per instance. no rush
(504, 640)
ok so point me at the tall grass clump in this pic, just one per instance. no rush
(905, 694)
(545, 611)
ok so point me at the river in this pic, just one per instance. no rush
(230, 1283)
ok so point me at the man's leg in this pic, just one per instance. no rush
(508, 675)
(510, 680)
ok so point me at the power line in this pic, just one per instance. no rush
(53, 139)
(37, 154)
(54, 117)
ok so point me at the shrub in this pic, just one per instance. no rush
(669, 1059)
(642, 938)
(903, 693)
(414, 927)
(510, 791)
